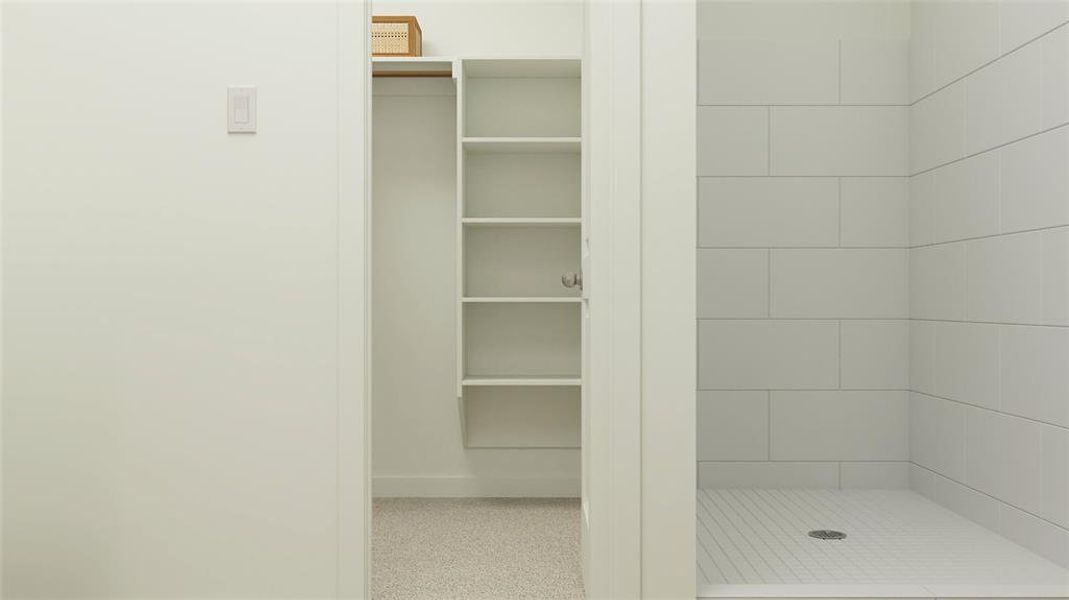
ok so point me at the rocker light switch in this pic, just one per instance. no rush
(241, 109)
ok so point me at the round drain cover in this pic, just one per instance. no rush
(827, 534)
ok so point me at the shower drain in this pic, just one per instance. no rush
(827, 534)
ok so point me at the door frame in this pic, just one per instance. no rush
(639, 509)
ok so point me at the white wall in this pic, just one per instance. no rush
(172, 419)
(802, 235)
(990, 265)
(494, 27)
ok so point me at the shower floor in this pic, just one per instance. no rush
(754, 543)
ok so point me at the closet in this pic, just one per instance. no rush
(509, 169)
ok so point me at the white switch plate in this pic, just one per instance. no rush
(241, 109)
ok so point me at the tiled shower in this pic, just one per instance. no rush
(883, 256)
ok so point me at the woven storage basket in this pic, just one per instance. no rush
(396, 36)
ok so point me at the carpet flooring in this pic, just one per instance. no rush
(476, 549)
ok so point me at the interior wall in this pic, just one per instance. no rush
(171, 316)
(494, 28)
(990, 265)
(802, 234)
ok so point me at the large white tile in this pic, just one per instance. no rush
(789, 19)
(762, 355)
(1003, 278)
(937, 435)
(966, 199)
(732, 283)
(921, 50)
(922, 356)
(937, 128)
(768, 71)
(859, 283)
(1035, 372)
(811, 475)
(1055, 49)
(732, 426)
(1021, 21)
(840, 140)
(937, 282)
(921, 480)
(874, 475)
(966, 36)
(732, 140)
(875, 355)
(766, 212)
(875, 71)
(967, 502)
(921, 208)
(966, 363)
(1003, 101)
(1002, 454)
(875, 212)
(1056, 475)
(1045, 539)
(1056, 276)
(1034, 182)
(837, 425)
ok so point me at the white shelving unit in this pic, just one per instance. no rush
(519, 229)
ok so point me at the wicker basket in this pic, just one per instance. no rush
(396, 36)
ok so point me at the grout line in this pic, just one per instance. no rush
(822, 247)
(930, 320)
(991, 410)
(991, 149)
(989, 237)
(803, 461)
(995, 498)
(805, 105)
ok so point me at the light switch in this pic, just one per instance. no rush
(241, 109)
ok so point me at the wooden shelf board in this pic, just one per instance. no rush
(524, 145)
(522, 221)
(521, 381)
(521, 299)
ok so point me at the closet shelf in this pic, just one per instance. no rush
(521, 381)
(521, 299)
(411, 66)
(522, 145)
(521, 221)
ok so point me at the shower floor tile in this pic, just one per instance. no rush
(754, 543)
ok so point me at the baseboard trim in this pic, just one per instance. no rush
(475, 487)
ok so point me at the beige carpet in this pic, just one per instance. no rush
(476, 549)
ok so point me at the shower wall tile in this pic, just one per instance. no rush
(937, 435)
(969, 503)
(1021, 21)
(1034, 182)
(875, 355)
(874, 212)
(921, 201)
(1056, 277)
(1002, 454)
(871, 283)
(965, 363)
(875, 71)
(1056, 475)
(803, 194)
(874, 475)
(1042, 537)
(1004, 100)
(763, 355)
(732, 283)
(732, 426)
(966, 199)
(840, 140)
(768, 475)
(1004, 279)
(732, 140)
(937, 282)
(758, 212)
(768, 71)
(1035, 373)
(937, 128)
(839, 425)
(965, 37)
(922, 356)
(1055, 78)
